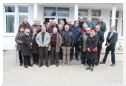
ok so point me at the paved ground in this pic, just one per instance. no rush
(62, 74)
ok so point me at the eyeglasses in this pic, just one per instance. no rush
(27, 32)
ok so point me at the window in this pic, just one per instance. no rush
(10, 23)
(117, 14)
(49, 11)
(9, 9)
(23, 9)
(95, 20)
(47, 19)
(63, 12)
(21, 18)
(83, 12)
(96, 13)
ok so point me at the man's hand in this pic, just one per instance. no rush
(78, 39)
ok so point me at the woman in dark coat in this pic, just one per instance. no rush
(35, 49)
(91, 43)
(26, 47)
(19, 42)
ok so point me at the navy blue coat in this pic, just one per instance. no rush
(77, 33)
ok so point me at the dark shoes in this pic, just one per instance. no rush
(25, 66)
(77, 59)
(112, 65)
(96, 64)
(20, 64)
(40, 65)
(102, 62)
(47, 65)
(92, 69)
(87, 68)
(30, 65)
(57, 65)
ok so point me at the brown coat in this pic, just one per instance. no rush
(26, 25)
(58, 42)
(18, 40)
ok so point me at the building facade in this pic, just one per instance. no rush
(13, 15)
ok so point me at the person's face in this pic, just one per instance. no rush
(35, 22)
(25, 21)
(76, 23)
(89, 21)
(27, 32)
(68, 22)
(60, 27)
(54, 22)
(21, 29)
(81, 19)
(112, 28)
(62, 22)
(88, 31)
(39, 23)
(50, 21)
(54, 31)
(92, 32)
(97, 29)
(48, 25)
(43, 29)
(66, 28)
(34, 31)
(84, 27)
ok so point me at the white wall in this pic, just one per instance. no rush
(71, 9)
(40, 13)
(31, 14)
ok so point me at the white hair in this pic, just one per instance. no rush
(89, 19)
(85, 25)
(34, 20)
(27, 30)
(100, 17)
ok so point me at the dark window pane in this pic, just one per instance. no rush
(23, 9)
(83, 12)
(94, 20)
(96, 13)
(9, 9)
(49, 11)
(47, 19)
(10, 23)
(117, 14)
(60, 19)
(63, 11)
(21, 18)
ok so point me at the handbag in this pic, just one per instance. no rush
(95, 49)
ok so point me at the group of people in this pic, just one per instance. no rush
(61, 40)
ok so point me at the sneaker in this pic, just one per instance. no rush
(63, 64)
(87, 68)
(82, 65)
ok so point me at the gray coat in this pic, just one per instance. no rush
(35, 26)
(46, 39)
(112, 41)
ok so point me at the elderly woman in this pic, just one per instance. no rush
(19, 42)
(91, 45)
(26, 47)
(35, 50)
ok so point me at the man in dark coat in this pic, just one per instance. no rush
(100, 41)
(111, 44)
(101, 24)
(25, 24)
(48, 29)
(77, 31)
(35, 25)
(81, 22)
(54, 24)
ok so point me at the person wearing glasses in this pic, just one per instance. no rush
(26, 49)
(77, 31)
(39, 24)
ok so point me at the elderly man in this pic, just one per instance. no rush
(100, 41)
(90, 23)
(51, 21)
(56, 42)
(43, 40)
(25, 24)
(39, 24)
(68, 42)
(69, 22)
(54, 24)
(84, 28)
(35, 25)
(81, 22)
(101, 24)
(77, 31)
(111, 45)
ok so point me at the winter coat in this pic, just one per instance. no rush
(94, 42)
(46, 39)
(77, 33)
(49, 30)
(91, 25)
(26, 40)
(58, 41)
(102, 26)
(26, 25)
(18, 40)
(100, 38)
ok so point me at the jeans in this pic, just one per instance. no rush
(20, 56)
(35, 57)
(83, 58)
(54, 56)
(76, 45)
(112, 54)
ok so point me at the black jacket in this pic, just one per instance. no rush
(35, 26)
(100, 38)
(52, 26)
(94, 42)
(25, 50)
(112, 40)
(71, 38)
(49, 30)
(102, 26)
